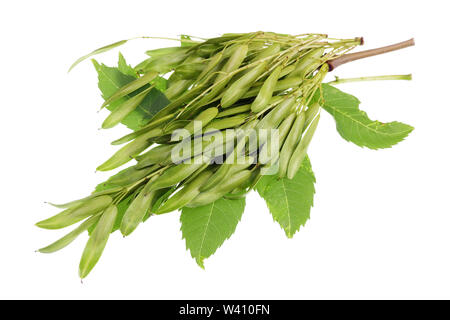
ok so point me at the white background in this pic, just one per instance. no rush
(380, 224)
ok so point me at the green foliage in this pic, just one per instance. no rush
(355, 126)
(289, 200)
(125, 68)
(110, 79)
(206, 228)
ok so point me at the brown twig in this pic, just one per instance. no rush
(333, 64)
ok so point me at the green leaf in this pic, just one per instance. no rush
(206, 228)
(185, 43)
(125, 68)
(355, 126)
(111, 79)
(289, 201)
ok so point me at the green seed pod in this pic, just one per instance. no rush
(287, 70)
(176, 174)
(267, 52)
(300, 151)
(212, 64)
(155, 155)
(138, 209)
(76, 214)
(165, 51)
(164, 63)
(226, 123)
(129, 151)
(311, 114)
(174, 106)
(75, 203)
(70, 237)
(272, 120)
(185, 195)
(206, 50)
(282, 85)
(232, 64)
(118, 114)
(266, 155)
(157, 124)
(239, 87)
(175, 124)
(97, 241)
(265, 94)
(131, 175)
(190, 70)
(131, 87)
(225, 171)
(217, 177)
(275, 116)
(220, 190)
(234, 110)
(290, 144)
(203, 118)
(177, 88)
(307, 63)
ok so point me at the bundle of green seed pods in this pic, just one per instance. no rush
(247, 82)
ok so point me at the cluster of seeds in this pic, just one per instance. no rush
(247, 82)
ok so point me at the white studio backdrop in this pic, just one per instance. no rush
(380, 223)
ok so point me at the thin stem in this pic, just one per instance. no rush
(373, 78)
(368, 53)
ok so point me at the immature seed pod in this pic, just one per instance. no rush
(206, 50)
(176, 174)
(239, 87)
(75, 203)
(300, 151)
(190, 70)
(217, 177)
(311, 114)
(165, 51)
(233, 63)
(220, 190)
(226, 123)
(290, 144)
(163, 63)
(275, 116)
(175, 124)
(307, 64)
(131, 175)
(185, 195)
(265, 94)
(282, 85)
(234, 110)
(137, 209)
(70, 237)
(97, 241)
(152, 125)
(155, 155)
(265, 153)
(76, 214)
(267, 52)
(212, 64)
(203, 118)
(287, 70)
(124, 109)
(272, 120)
(177, 88)
(129, 151)
(131, 87)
